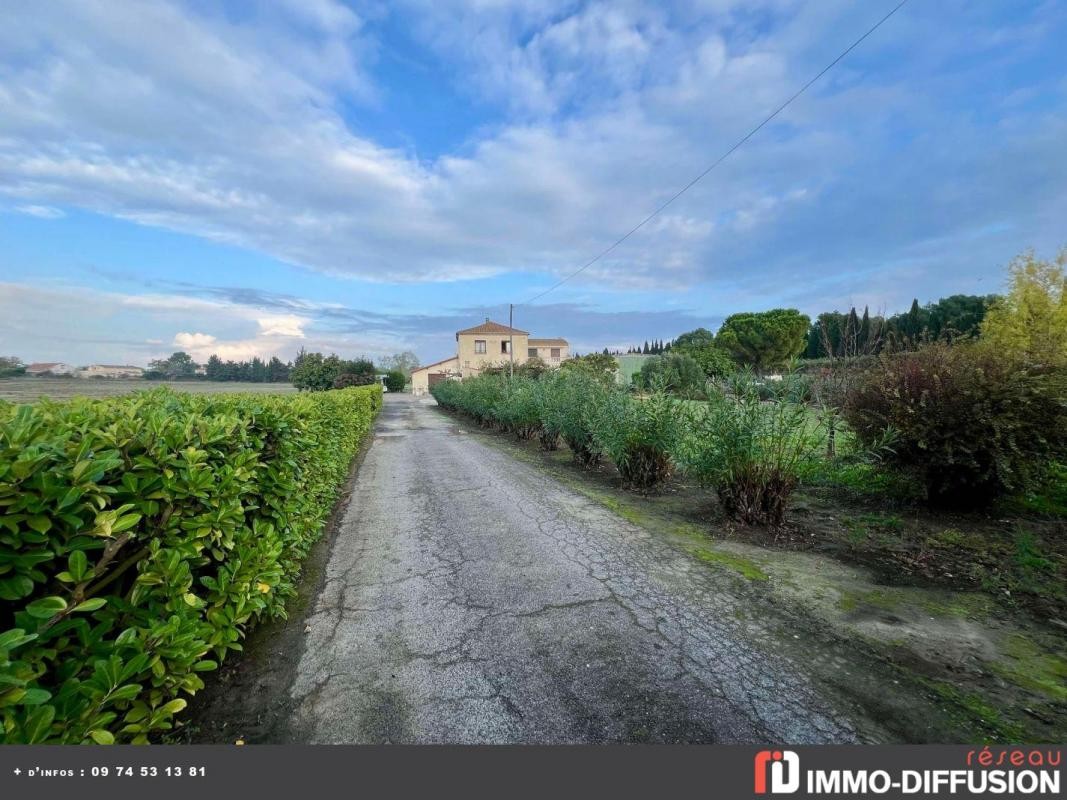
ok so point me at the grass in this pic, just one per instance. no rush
(30, 390)
(743, 566)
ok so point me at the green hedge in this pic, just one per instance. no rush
(142, 537)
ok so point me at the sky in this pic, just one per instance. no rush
(365, 178)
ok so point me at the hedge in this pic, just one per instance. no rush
(142, 537)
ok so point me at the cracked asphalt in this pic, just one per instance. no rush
(471, 598)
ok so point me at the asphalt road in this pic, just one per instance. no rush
(470, 597)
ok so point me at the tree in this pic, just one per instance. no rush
(396, 380)
(701, 337)
(10, 366)
(958, 316)
(600, 366)
(1030, 322)
(677, 373)
(179, 365)
(764, 340)
(406, 362)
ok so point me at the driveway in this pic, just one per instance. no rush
(469, 597)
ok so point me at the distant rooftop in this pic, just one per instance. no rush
(492, 327)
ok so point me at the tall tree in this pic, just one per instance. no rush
(1030, 322)
(764, 340)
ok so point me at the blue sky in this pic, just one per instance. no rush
(365, 178)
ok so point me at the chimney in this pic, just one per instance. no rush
(487, 319)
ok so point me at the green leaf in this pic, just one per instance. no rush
(39, 724)
(15, 588)
(102, 737)
(40, 523)
(127, 692)
(92, 604)
(78, 564)
(125, 523)
(173, 707)
(46, 607)
(34, 697)
(15, 637)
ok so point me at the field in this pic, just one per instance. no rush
(28, 390)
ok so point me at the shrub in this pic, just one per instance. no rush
(140, 539)
(713, 360)
(347, 379)
(677, 373)
(395, 381)
(747, 448)
(568, 404)
(517, 409)
(971, 423)
(638, 435)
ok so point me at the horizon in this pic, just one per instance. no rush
(365, 180)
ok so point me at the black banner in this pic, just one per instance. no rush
(505, 772)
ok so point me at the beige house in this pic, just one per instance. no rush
(488, 345)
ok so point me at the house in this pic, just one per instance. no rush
(50, 368)
(111, 371)
(487, 345)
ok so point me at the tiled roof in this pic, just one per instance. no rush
(492, 327)
(436, 364)
(548, 343)
(42, 365)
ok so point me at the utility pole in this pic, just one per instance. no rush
(511, 338)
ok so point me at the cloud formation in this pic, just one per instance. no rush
(248, 133)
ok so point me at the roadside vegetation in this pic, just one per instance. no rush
(142, 537)
(935, 462)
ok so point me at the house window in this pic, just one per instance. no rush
(555, 352)
(504, 346)
(479, 345)
(532, 352)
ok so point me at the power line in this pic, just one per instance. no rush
(720, 159)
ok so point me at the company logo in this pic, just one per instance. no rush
(784, 769)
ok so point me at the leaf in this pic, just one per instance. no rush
(127, 692)
(91, 604)
(78, 564)
(125, 522)
(173, 707)
(46, 607)
(15, 588)
(102, 737)
(39, 724)
(15, 637)
(40, 523)
(34, 697)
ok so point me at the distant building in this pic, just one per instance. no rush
(111, 371)
(50, 368)
(488, 345)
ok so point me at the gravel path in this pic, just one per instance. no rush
(469, 597)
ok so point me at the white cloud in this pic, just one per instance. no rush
(250, 133)
(43, 212)
(193, 341)
(288, 325)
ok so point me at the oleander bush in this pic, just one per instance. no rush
(747, 448)
(142, 537)
(972, 423)
(639, 435)
(518, 408)
(569, 400)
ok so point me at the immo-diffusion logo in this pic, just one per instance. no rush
(1012, 771)
(783, 767)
